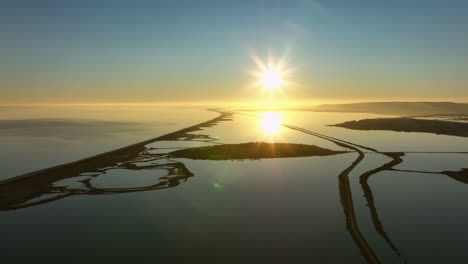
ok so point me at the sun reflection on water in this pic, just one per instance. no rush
(271, 123)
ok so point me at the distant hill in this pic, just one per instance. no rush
(398, 108)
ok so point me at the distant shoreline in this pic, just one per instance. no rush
(439, 127)
(383, 108)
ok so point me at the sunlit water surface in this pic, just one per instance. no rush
(34, 138)
(287, 210)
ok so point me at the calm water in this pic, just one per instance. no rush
(296, 210)
(34, 138)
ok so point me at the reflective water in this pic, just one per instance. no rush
(142, 205)
(33, 138)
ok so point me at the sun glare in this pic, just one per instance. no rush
(271, 123)
(271, 79)
(273, 73)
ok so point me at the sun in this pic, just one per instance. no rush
(272, 74)
(271, 79)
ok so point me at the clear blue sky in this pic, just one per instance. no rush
(135, 51)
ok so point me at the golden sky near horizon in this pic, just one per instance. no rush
(64, 53)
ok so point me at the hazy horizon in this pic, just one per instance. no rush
(253, 104)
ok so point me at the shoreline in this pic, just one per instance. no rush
(120, 153)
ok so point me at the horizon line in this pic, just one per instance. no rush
(231, 102)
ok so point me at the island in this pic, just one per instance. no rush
(253, 150)
(406, 124)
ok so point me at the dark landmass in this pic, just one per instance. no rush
(447, 117)
(409, 125)
(461, 175)
(252, 150)
(398, 108)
